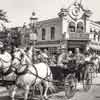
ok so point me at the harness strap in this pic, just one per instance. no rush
(23, 72)
(37, 76)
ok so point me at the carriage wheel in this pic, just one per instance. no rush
(70, 86)
(30, 96)
(88, 82)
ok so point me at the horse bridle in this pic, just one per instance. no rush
(19, 59)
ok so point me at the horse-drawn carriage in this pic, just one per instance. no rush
(70, 76)
(66, 77)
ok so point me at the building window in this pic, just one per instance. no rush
(80, 27)
(98, 37)
(71, 27)
(94, 36)
(43, 34)
(52, 33)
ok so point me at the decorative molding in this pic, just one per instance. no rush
(48, 42)
(78, 36)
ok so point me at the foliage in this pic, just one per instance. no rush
(3, 16)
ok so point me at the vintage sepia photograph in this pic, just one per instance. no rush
(49, 49)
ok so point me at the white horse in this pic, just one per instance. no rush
(33, 75)
(5, 66)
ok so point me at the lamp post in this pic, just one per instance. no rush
(33, 34)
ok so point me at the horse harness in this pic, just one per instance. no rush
(37, 76)
(25, 70)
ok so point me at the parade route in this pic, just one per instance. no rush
(49, 50)
(92, 94)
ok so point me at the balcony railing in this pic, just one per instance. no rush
(78, 36)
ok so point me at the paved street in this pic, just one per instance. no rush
(92, 94)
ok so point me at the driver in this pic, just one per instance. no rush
(80, 58)
(62, 58)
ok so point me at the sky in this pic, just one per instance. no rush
(19, 11)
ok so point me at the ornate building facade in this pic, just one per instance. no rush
(71, 29)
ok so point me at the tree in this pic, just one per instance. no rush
(3, 16)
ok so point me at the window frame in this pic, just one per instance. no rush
(71, 27)
(80, 27)
(52, 31)
(43, 34)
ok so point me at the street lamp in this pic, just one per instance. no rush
(33, 21)
(33, 31)
(33, 34)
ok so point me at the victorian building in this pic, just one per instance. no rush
(71, 29)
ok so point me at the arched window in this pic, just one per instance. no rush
(43, 34)
(99, 36)
(80, 27)
(71, 27)
(52, 33)
(95, 34)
